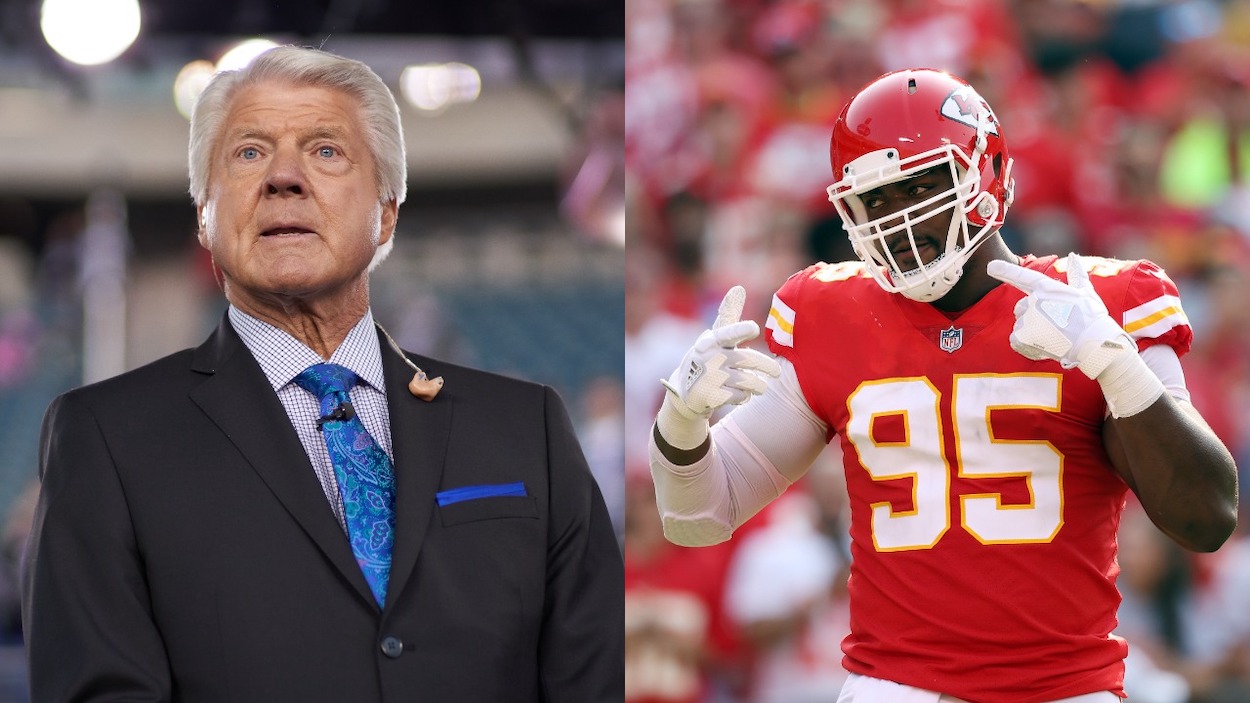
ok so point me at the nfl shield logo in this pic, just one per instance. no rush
(951, 339)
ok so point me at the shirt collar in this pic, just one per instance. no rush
(282, 357)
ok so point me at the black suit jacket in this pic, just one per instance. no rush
(183, 549)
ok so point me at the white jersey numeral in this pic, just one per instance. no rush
(920, 455)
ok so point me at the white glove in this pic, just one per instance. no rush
(1069, 323)
(713, 373)
(1066, 322)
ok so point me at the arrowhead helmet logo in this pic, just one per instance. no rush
(966, 106)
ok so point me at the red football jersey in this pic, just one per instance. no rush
(984, 508)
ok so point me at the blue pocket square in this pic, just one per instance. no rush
(490, 490)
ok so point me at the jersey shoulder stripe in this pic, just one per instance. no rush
(821, 285)
(1155, 317)
(781, 322)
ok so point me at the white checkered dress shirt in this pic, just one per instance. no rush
(282, 358)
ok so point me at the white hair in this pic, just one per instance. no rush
(312, 67)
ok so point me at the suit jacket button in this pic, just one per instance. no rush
(392, 647)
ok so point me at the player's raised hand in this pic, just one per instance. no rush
(1066, 322)
(715, 372)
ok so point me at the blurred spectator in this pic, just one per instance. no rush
(676, 636)
(787, 591)
(946, 34)
(1210, 151)
(653, 335)
(1218, 628)
(1154, 583)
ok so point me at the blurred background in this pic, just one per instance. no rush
(1129, 122)
(509, 248)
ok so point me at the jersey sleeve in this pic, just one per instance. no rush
(1152, 311)
(779, 328)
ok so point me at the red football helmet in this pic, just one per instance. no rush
(896, 127)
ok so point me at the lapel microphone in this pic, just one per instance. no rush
(343, 412)
(421, 385)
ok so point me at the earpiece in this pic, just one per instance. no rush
(421, 385)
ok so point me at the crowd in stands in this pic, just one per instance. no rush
(1129, 124)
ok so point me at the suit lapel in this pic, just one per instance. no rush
(419, 436)
(236, 396)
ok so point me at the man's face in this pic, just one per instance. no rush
(931, 234)
(293, 210)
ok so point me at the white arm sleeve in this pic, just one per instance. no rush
(1162, 360)
(758, 451)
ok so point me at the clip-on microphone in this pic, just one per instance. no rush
(341, 413)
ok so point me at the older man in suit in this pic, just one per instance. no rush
(280, 514)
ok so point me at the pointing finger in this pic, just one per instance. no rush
(730, 310)
(1026, 280)
(1078, 277)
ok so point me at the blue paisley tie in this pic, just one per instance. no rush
(364, 472)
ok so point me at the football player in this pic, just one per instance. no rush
(993, 410)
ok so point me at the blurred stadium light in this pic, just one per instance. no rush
(241, 54)
(90, 32)
(432, 87)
